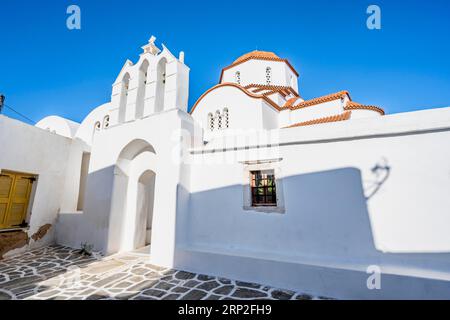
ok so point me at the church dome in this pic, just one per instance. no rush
(264, 55)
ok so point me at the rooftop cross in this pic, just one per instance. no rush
(151, 47)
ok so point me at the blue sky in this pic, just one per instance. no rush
(46, 69)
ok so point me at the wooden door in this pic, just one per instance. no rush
(15, 191)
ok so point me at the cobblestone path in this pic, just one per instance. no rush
(61, 273)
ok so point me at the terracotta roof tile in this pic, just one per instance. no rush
(290, 102)
(340, 117)
(351, 105)
(285, 90)
(257, 55)
(320, 100)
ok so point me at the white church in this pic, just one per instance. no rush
(255, 183)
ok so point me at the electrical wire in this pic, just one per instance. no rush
(18, 113)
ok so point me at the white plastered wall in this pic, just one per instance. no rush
(107, 208)
(27, 149)
(357, 193)
(245, 113)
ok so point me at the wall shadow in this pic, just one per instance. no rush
(327, 218)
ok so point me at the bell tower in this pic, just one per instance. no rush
(158, 82)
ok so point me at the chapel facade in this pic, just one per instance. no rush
(253, 182)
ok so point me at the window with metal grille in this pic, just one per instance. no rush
(219, 120)
(237, 76)
(263, 188)
(268, 75)
(226, 118)
(211, 122)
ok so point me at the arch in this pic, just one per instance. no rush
(131, 151)
(134, 183)
(134, 148)
(124, 97)
(142, 88)
(160, 85)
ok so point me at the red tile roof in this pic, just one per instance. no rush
(351, 105)
(307, 103)
(340, 117)
(257, 55)
(270, 89)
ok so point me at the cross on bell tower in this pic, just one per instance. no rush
(151, 47)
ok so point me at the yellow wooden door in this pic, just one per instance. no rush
(6, 186)
(15, 191)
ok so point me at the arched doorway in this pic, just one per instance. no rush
(133, 197)
(144, 209)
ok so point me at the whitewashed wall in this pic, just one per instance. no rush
(244, 112)
(109, 215)
(32, 150)
(335, 225)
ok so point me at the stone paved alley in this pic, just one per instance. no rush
(60, 273)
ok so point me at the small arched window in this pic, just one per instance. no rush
(237, 77)
(97, 126)
(219, 120)
(226, 120)
(126, 87)
(268, 75)
(106, 122)
(124, 97)
(211, 122)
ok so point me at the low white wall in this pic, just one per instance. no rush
(341, 213)
(28, 149)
